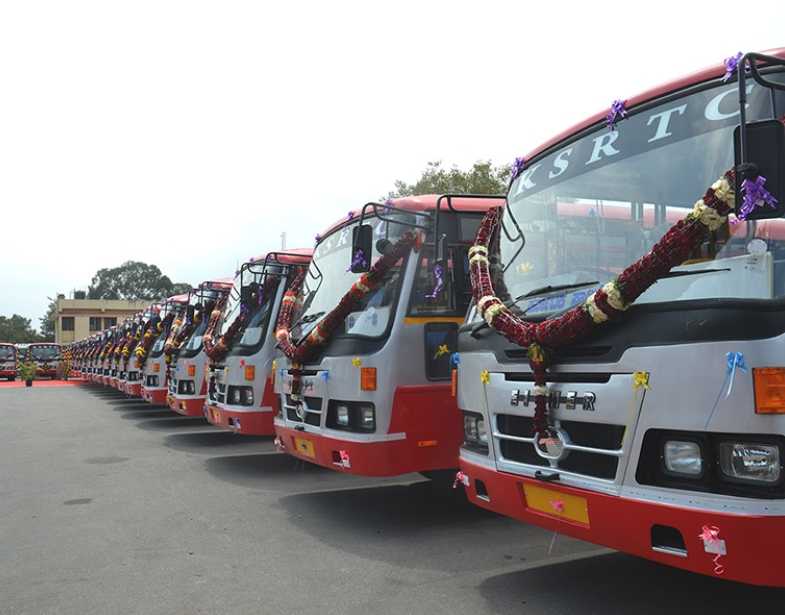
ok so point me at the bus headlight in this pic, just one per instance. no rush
(683, 458)
(367, 418)
(474, 431)
(749, 462)
(241, 396)
(342, 415)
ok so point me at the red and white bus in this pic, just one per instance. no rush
(242, 348)
(8, 363)
(186, 373)
(365, 387)
(47, 358)
(660, 433)
(152, 362)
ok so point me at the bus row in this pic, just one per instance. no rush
(44, 355)
(599, 352)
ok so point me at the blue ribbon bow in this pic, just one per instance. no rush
(735, 361)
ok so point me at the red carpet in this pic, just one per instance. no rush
(19, 384)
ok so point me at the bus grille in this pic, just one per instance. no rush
(313, 410)
(514, 434)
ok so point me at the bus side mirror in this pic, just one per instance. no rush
(362, 244)
(765, 156)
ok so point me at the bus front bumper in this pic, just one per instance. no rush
(375, 458)
(746, 548)
(251, 423)
(187, 406)
(157, 397)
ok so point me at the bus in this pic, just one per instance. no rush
(187, 371)
(46, 356)
(365, 380)
(150, 358)
(240, 386)
(8, 363)
(646, 417)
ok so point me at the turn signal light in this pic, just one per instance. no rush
(368, 378)
(769, 389)
(250, 372)
(192, 370)
(156, 367)
(454, 382)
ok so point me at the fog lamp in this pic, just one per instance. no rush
(683, 457)
(750, 462)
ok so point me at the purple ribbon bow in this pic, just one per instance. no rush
(518, 165)
(358, 261)
(755, 196)
(731, 65)
(617, 112)
(438, 274)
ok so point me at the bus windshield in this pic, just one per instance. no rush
(45, 353)
(7, 352)
(594, 206)
(232, 309)
(329, 278)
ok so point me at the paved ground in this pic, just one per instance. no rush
(108, 505)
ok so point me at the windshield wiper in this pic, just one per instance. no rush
(307, 319)
(533, 293)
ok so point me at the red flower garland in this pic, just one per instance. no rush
(327, 326)
(221, 348)
(605, 304)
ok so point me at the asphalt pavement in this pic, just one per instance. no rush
(109, 505)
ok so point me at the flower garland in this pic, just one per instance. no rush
(218, 350)
(324, 330)
(152, 330)
(604, 305)
(212, 325)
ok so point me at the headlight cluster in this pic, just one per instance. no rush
(133, 376)
(186, 387)
(733, 464)
(474, 433)
(351, 416)
(240, 396)
(151, 381)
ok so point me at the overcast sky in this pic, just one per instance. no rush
(191, 134)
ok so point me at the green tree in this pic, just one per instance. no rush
(482, 178)
(133, 280)
(47, 322)
(16, 329)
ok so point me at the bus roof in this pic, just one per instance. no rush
(217, 284)
(712, 72)
(294, 256)
(427, 202)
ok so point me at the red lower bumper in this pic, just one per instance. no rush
(7, 373)
(156, 397)
(186, 407)
(255, 423)
(134, 389)
(753, 544)
(388, 458)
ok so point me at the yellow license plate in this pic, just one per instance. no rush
(305, 447)
(556, 504)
